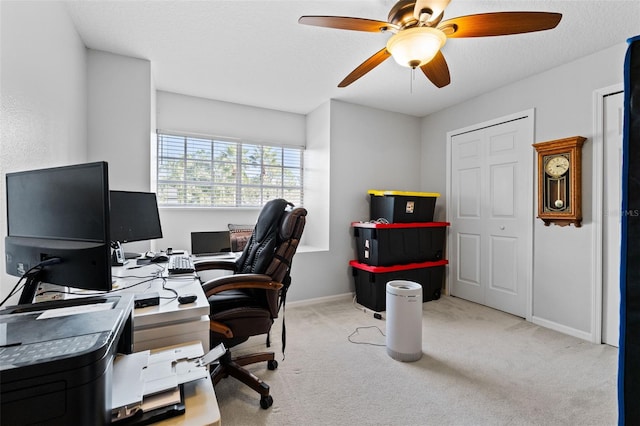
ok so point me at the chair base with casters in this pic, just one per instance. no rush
(233, 367)
(235, 317)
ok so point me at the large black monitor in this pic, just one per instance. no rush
(58, 227)
(134, 216)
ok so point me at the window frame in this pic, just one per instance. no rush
(186, 186)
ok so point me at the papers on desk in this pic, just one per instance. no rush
(128, 386)
(74, 310)
(145, 381)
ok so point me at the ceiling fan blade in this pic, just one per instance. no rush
(437, 70)
(499, 23)
(423, 6)
(375, 60)
(346, 23)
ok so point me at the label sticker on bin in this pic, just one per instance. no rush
(410, 206)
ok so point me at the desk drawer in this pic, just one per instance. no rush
(173, 334)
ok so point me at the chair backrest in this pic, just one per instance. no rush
(272, 245)
(262, 244)
(289, 236)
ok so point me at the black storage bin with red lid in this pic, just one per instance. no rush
(380, 244)
(371, 281)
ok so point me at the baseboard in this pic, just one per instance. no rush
(563, 329)
(323, 299)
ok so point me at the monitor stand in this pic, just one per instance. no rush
(30, 287)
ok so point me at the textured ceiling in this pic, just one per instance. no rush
(255, 52)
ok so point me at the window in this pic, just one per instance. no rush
(204, 172)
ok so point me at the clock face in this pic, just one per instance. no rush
(557, 166)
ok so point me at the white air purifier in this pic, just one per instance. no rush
(404, 320)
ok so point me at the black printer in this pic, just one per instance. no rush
(56, 359)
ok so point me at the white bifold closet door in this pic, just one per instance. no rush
(491, 215)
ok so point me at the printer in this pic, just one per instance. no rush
(56, 359)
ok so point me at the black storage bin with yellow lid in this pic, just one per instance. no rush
(386, 244)
(371, 281)
(402, 206)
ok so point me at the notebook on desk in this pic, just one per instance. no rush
(210, 243)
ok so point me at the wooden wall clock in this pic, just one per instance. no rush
(560, 181)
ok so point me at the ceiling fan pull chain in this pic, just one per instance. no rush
(411, 78)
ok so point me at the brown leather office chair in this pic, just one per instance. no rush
(246, 303)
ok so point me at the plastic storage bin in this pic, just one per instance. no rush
(371, 281)
(402, 206)
(380, 244)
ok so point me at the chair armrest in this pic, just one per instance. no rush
(208, 265)
(237, 281)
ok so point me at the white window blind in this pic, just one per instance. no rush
(207, 172)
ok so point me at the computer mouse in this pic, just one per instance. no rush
(159, 258)
(187, 298)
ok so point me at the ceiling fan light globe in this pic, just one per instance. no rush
(416, 46)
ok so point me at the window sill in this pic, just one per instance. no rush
(311, 249)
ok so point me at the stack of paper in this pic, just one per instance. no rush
(145, 381)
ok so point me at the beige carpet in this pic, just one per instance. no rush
(479, 367)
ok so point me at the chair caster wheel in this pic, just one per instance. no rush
(266, 402)
(272, 365)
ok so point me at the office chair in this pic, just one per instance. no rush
(245, 303)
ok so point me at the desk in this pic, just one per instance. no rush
(168, 323)
(201, 406)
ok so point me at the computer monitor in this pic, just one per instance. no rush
(58, 227)
(134, 216)
(210, 243)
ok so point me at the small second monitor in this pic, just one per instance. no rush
(134, 216)
(210, 243)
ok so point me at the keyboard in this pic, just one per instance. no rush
(25, 354)
(180, 265)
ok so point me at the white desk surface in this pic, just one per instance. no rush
(201, 406)
(132, 277)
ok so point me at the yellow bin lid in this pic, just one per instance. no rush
(380, 193)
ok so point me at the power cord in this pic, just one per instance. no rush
(16, 288)
(359, 307)
(164, 287)
(365, 343)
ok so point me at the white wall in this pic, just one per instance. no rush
(317, 177)
(119, 117)
(562, 98)
(209, 117)
(43, 95)
(369, 149)
(121, 110)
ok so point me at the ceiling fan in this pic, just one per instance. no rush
(419, 33)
